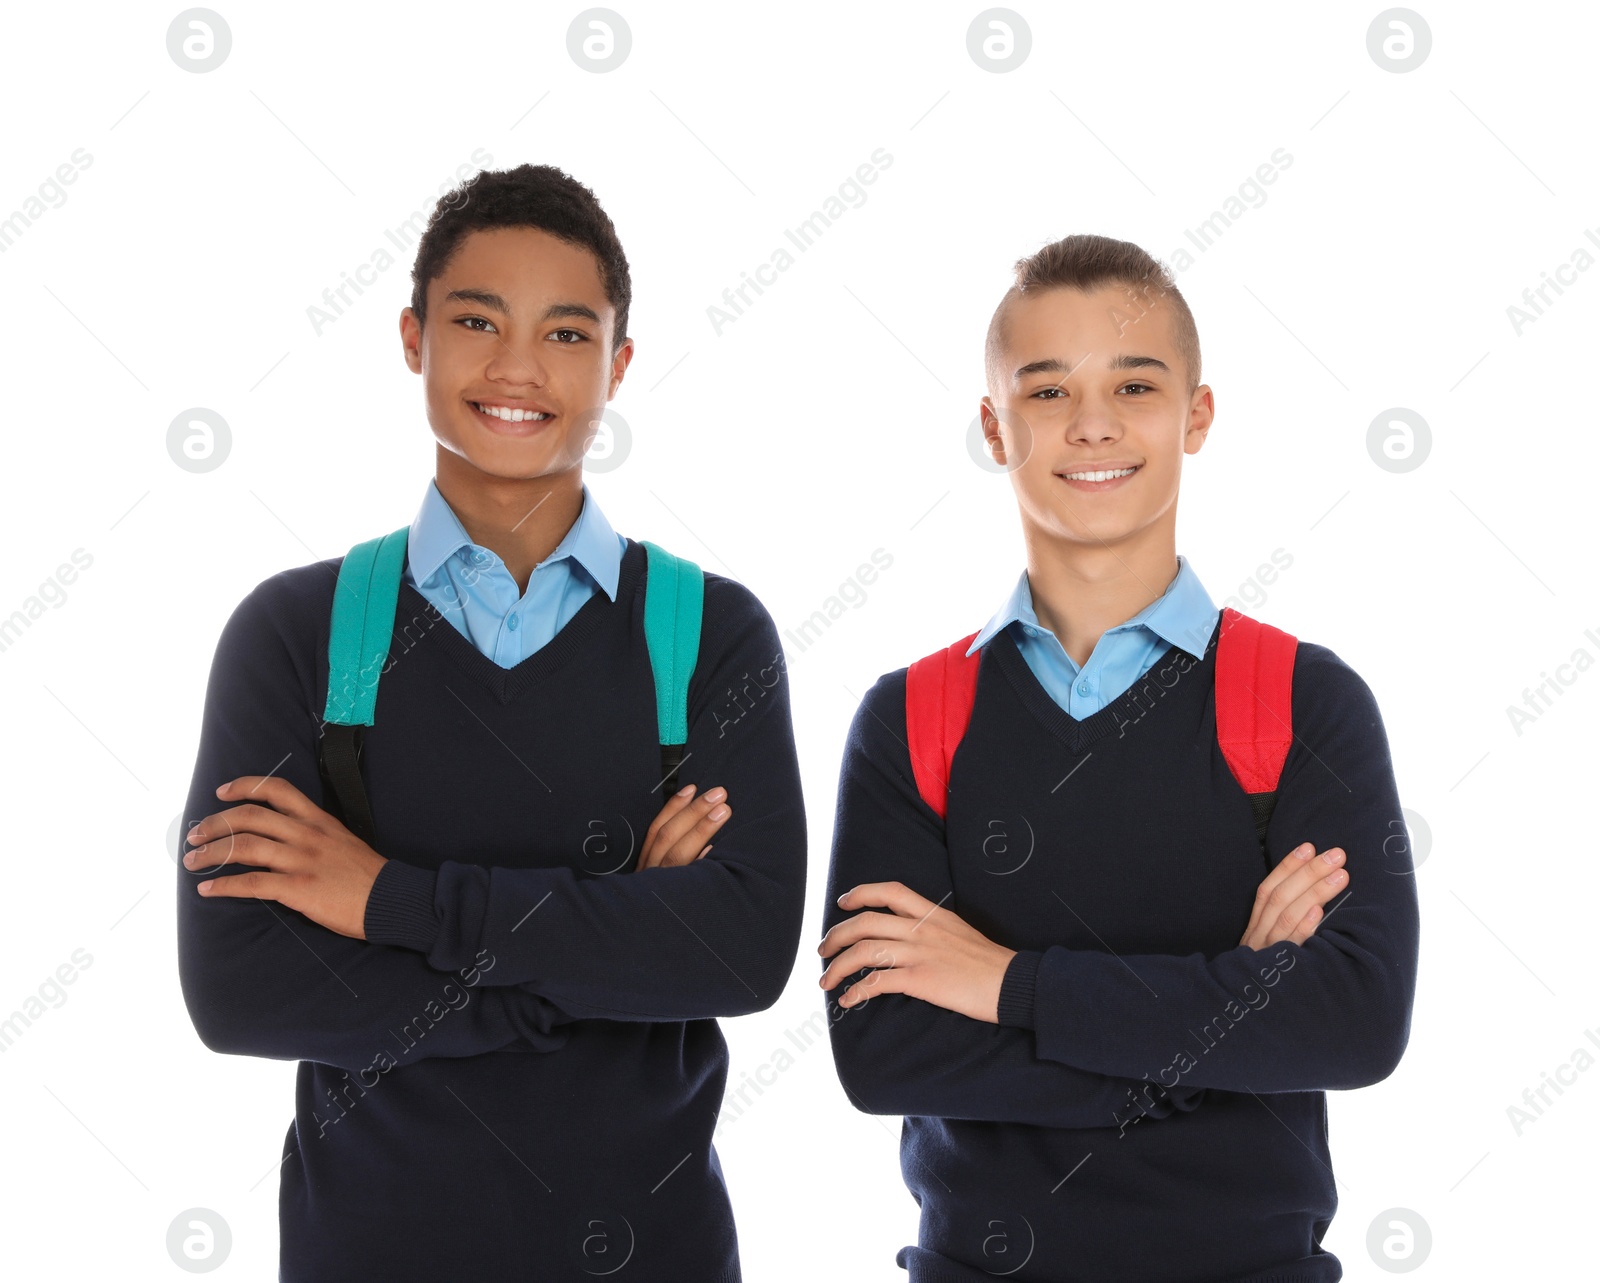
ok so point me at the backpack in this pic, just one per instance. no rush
(363, 623)
(1255, 671)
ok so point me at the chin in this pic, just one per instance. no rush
(520, 469)
(494, 459)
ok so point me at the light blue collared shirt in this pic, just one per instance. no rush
(470, 586)
(1182, 616)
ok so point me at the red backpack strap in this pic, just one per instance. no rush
(1254, 687)
(940, 690)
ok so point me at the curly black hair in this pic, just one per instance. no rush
(540, 196)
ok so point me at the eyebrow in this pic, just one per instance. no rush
(1122, 361)
(493, 301)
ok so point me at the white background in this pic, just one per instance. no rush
(828, 421)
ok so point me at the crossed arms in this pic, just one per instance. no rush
(960, 1027)
(716, 936)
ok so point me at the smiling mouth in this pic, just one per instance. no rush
(504, 414)
(1094, 479)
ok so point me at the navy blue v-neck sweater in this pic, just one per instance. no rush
(1150, 1106)
(518, 1074)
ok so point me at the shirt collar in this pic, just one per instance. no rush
(1183, 616)
(437, 535)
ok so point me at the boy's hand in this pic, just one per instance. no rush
(918, 949)
(679, 833)
(314, 864)
(1289, 900)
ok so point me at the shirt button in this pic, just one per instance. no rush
(511, 623)
(1083, 688)
(478, 558)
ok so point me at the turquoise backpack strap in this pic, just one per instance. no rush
(362, 624)
(674, 595)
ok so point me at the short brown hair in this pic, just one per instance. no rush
(1086, 262)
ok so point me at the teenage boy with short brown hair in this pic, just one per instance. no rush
(1054, 952)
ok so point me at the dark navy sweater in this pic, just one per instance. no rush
(1151, 1105)
(517, 1075)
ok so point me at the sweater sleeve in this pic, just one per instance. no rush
(713, 938)
(1331, 1014)
(897, 1054)
(260, 979)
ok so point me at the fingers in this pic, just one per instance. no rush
(680, 832)
(264, 886)
(1307, 925)
(275, 792)
(689, 846)
(1304, 912)
(270, 808)
(884, 980)
(1290, 863)
(673, 805)
(246, 834)
(249, 818)
(867, 953)
(868, 925)
(895, 896)
(1285, 899)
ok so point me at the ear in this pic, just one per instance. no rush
(411, 339)
(1202, 409)
(992, 439)
(619, 366)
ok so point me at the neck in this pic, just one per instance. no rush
(520, 521)
(1080, 590)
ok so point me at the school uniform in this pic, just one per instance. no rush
(1151, 1105)
(518, 1073)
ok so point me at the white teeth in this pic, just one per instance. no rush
(510, 416)
(1098, 476)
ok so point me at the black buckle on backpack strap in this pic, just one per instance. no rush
(1261, 805)
(339, 758)
(671, 759)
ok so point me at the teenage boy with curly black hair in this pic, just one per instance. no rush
(504, 1008)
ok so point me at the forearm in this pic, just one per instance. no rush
(900, 1055)
(1288, 1018)
(713, 938)
(262, 980)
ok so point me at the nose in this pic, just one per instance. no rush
(1094, 423)
(517, 363)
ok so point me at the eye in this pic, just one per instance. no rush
(578, 336)
(468, 320)
(1146, 386)
(1050, 394)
